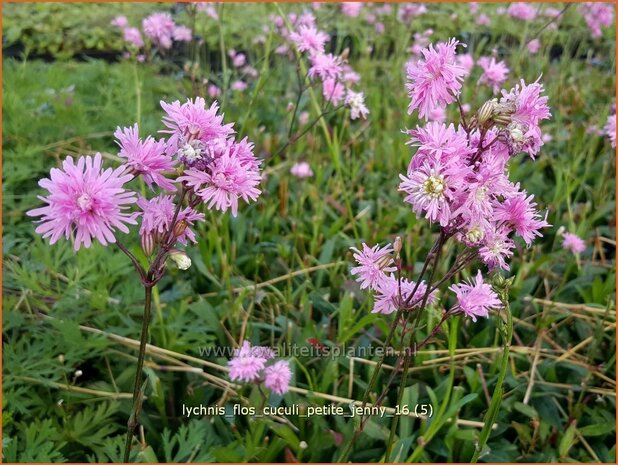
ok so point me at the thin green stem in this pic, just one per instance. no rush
(138, 95)
(258, 86)
(225, 79)
(408, 354)
(506, 330)
(438, 421)
(137, 398)
(329, 140)
(389, 338)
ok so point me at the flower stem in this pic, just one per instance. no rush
(387, 343)
(408, 354)
(137, 387)
(506, 331)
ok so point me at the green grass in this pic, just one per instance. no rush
(247, 279)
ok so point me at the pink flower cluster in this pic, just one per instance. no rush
(458, 178)
(200, 156)
(217, 169)
(375, 271)
(475, 298)
(435, 79)
(421, 41)
(336, 76)
(494, 74)
(160, 28)
(522, 11)
(597, 16)
(408, 11)
(251, 365)
(301, 170)
(573, 243)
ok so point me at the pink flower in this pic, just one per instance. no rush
(208, 8)
(303, 118)
(309, 39)
(496, 249)
(132, 36)
(551, 12)
(333, 91)
(301, 170)
(243, 151)
(407, 11)
(610, 129)
(239, 59)
(147, 158)
(159, 27)
(534, 46)
(228, 180)
(475, 298)
(282, 49)
(239, 86)
(494, 73)
(529, 109)
(437, 114)
(573, 243)
(439, 142)
(248, 363)
(158, 214)
(351, 9)
(86, 198)
(519, 212)
(192, 122)
(431, 189)
(277, 377)
(182, 34)
(373, 264)
(324, 66)
(213, 91)
(120, 22)
(349, 75)
(305, 19)
(250, 71)
(466, 61)
(387, 298)
(483, 20)
(356, 102)
(435, 79)
(522, 11)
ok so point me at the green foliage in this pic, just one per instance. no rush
(63, 30)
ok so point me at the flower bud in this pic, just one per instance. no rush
(516, 134)
(180, 227)
(474, 235)
(183, 262)
(158, 236)
(486, 111)
(397, 245)
(148, 243)
(502, 113)
(384, 261)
